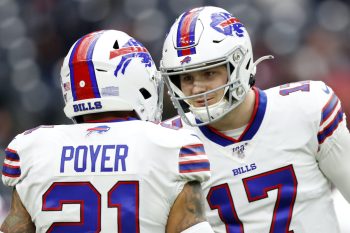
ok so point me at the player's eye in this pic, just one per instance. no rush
(210, 73)
(186, 78)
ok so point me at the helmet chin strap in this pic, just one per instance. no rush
(210, 113)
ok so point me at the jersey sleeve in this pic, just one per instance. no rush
(334, 141)
(334, 159)
(331, 115)
(18, 161)
(179, 158)
(193, 162)
(11, 169)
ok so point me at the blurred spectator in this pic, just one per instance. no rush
(6, 133)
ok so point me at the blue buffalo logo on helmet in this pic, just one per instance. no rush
(185, 60)
(225, 23)
(131, 49)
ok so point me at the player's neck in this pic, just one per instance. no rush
(108, 116)
(239, 116)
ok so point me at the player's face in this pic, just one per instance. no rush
(198, 82)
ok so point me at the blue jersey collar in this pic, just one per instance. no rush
(252, 128)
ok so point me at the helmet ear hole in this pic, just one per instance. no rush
(232, 68)
(217, 41)
(248, 64)
(116, 45)
(252, 80)
(145, 93)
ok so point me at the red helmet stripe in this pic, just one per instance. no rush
(186, 32)
(82, 72)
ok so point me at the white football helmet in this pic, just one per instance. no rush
(110, 71)
(200, 39)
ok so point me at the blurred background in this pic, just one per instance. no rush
(309, 39)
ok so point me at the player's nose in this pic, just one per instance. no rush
(199, 85)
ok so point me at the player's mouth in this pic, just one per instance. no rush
(201, 102)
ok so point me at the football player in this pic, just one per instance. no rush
(112, 171)
(273, 153)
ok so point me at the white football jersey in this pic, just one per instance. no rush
(103, 177)
(268, 180)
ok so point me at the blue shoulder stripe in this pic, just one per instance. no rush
(11, 155)
(194, 166)
(329, 108)
(11, 171)
(330, 128)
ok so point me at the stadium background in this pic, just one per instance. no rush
(309, 39)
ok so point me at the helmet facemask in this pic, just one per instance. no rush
(234, 90)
